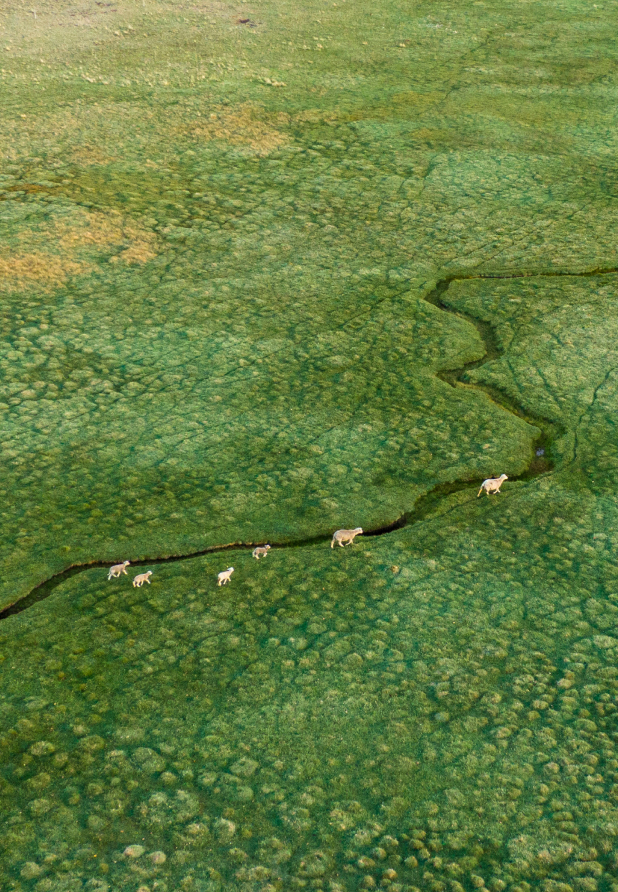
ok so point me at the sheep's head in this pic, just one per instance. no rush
(126, 563)
(503, 477)
(358, 530)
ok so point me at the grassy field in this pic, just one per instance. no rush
(221, 229)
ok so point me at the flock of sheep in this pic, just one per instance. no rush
(340, 537)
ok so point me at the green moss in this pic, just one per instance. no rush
(217, 244)
(452, 679)
(230, 271)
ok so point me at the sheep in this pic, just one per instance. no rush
(343, 536)
(142, 578)
(225, 575)
(117, 569)
(492, 484)
(261, 551)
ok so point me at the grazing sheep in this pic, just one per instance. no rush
(117, 569)
(343, 536)
(261, 551)
(142, 578)
(225, 575)
(492, 484)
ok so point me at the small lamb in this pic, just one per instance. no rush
(142, 578)
(343, 536)
(117, 569)
(225, 575)
(261, 551)
(492, 484)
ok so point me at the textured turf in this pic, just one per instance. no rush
(217, 235)
(437, 703)
(227, 235)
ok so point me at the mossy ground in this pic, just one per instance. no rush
(438, 702)
(217, 239)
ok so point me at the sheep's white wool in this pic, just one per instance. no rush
(343, 536)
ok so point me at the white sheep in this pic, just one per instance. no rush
(117, 569)
(261, 551)
(225, 575)
(142, 578)
(343, 536)
(492, 484)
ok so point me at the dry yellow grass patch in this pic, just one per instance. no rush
(64, 248)
(108, 230)
(20, 272)
(141, 251)
(243, 126)
(88, 135)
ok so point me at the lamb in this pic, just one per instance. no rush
(343, 536)
(225, 575)
(261, 551)
(492, 484)
(117, 569)
(142, 578)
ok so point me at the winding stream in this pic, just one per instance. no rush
(541, 463)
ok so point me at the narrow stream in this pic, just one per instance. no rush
(541, 463)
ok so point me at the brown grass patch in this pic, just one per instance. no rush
(65, 248)
(86, 136)
(23, 271)
(243, 127)
(109, 230)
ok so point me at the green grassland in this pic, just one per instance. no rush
(221, 229)
(213, 327)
